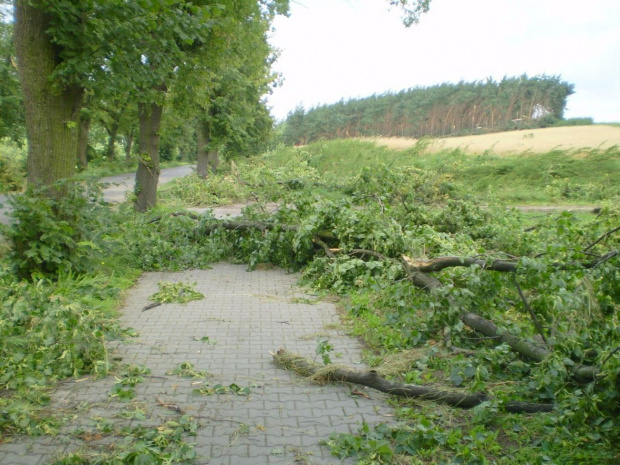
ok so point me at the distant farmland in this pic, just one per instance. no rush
(513, 142)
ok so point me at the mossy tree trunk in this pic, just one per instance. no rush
(147, 176)
(213, 160)
(51, 114)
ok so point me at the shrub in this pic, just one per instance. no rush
(50, 235)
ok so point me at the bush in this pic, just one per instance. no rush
(52, 235)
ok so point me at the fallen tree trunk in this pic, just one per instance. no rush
(502, 266)
(438, 264)
(486, 327)
(323, 374)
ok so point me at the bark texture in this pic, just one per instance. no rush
(371, 379)
(202, 159)
(438, 264)
(51, 114)
(147, 176)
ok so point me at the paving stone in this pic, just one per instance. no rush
(246, 315)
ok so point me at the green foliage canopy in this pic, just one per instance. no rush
(442, 110)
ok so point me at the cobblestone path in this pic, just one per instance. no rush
(230, 334)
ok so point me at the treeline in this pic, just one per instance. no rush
(442, 110)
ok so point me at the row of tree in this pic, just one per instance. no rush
(442, 110)
(138, 70)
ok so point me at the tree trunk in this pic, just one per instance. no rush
(51, 114)
(128, 144)
(147, 175)
(213, 160)
(202, 158)
(83, 129)
(111, 149)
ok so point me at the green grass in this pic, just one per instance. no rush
(557, 177)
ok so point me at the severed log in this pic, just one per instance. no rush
(322, 374)
(440, 263)
(503, 266)
(486, 327)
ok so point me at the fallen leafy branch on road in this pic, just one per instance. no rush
(486, 306)
(419, 272)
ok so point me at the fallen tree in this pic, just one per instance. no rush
(418, 272)
(371, 379)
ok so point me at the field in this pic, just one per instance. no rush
(514, 142)
(556, 177)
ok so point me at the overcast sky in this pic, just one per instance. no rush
(334, 49)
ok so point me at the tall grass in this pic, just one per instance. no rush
(557, 176)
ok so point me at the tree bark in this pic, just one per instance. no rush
(202, 158)
(205, 160)
(128, 144)
(147, 175)
(371, 379)
(83, 130)
(213, 160)
(51, 114)
(111, 148)
(440, 263)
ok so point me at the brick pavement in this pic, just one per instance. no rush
(245, 315)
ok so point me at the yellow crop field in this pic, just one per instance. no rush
(514, 142)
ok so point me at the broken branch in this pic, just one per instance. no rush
(486, 327)
(321, 374)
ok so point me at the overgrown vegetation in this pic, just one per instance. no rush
(349, 237)
(560, 176)
(375, 236)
